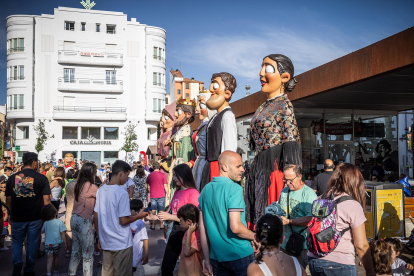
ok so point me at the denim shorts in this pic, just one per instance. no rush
(5, 231)
(158, 204)
(52, 248)
(322, 267)
(236, 267)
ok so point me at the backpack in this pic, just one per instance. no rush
(323, 235)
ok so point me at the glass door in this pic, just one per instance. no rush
(340, 151)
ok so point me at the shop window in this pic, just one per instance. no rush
(110, 133)
(88, 132)
(110, 156)
(75, 154)
(70, 133)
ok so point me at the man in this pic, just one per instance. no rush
(221, 130)
(321, 182)
(7, 172)
(300, 202)
(26, 192)
(222, 220)
(157, 186)
(112, 219)
(378, 171)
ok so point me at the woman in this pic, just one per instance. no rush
(140, 181)
(69, 177)
(70, 197)
(274, 136)
(56, 186)
(81, 221)
(199, 137)
(186, 193)
(271, 260)
(346, 180)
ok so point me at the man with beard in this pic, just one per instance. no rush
(167, 122)
(221, 130)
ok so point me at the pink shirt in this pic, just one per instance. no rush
(350, 214)
(156, 181)
(86, 201)
(183, 197)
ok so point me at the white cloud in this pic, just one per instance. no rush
(241, 55)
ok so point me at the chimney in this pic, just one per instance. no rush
(192, 78)
(248, 89)
(176, 69)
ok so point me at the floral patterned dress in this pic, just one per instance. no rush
(275, 138)
(140, 191)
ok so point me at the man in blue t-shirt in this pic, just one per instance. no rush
(222, 220)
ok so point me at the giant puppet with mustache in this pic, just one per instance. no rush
(167, 123)
(221, 130)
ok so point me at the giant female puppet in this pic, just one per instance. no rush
(167, 122)
(200, 136)
(274, 137)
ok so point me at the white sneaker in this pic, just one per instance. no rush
(55, 273)
(4, 248)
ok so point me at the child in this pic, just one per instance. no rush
(139, 234)
(55, 231)
(399, 267)
(191, 258)
(168, 225)
(381, 257)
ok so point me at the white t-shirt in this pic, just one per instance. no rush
(138, 227)
(112, 203)
(399, 268)
(127, 184)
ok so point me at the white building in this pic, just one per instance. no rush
(88, 74)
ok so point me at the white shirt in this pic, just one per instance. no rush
(138, 227)
(112, 203)
(228, 125)
(399, 268)
(127, 184)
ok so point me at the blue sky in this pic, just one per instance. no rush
(214, 36)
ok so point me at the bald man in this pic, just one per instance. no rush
(321, 182)
(222, 221)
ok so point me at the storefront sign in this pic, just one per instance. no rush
(8, 154)
(338, 129)
(92, 54)
(17, 148)
(90, 141)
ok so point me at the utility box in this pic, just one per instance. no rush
(384, 210)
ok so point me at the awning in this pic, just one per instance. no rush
(151, 150)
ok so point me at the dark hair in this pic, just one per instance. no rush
(284, 64)
(120, 166)
(156, 166)
(188, 211)
(86, 174)
(48, 212)
(269, 231)
(76, 175)
(140, 171)
(347, 179)
(29, 158)
(391, 179)
(60, 172)
(187, 108)
(395, 243)
(184, 172)
(385, 143)
(70, 174)
(381, 257)
(7, 169)
(296, 169)
(136, 205)
(228, 79)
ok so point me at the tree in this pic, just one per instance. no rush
(129, 144)
(42, 136)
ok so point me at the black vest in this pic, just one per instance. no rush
(214, 136)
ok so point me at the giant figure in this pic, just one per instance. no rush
(221, 130)
(199, 137)
(274, 137)
(167, 123)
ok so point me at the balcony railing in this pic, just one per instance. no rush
(16, 78)
(158, 84)
(159, 58)
(90, 58)
(15, 107)
(15, 50)
(90, 85)
(89, 109)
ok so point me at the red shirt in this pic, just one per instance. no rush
(156, 180)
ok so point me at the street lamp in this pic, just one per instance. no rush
(248, 89)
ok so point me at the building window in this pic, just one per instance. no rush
(14, 72)
(15, 101)
(69, 132)
(110, 156)
(154, 78)
(18, 101)
(159, 53)
(83, 26)
(74, 153)
(69, 75)
(98, 27)
(15, 45)
(157, 105)
(21, 72)
(166, 100)
(25, 131)
(187, 95)
(155, 53)
(111, 133)
(152, 134)
(95, 132)
(69, 26)
(110, 29)
(187, 86)
(111, 77)
(178, 91)
(21, 101)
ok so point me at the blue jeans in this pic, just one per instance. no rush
(20, 230)
(327, 268)
(158, 204)
(235, 268)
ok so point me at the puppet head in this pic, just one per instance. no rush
(143, 157)
(184, 112)
(202, 110)
(168, 117)
(222, 88)
(276, 75)
(68, 158)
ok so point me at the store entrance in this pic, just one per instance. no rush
(94, 156)
(340, 151)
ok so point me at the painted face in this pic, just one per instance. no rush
(201, 109)
(271, 79)
(181, 116)
(166, 122)
(218, 96)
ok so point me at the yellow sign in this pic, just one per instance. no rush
(390, 213)
(369, 215)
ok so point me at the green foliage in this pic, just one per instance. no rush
(130, 136)
(42, 136)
